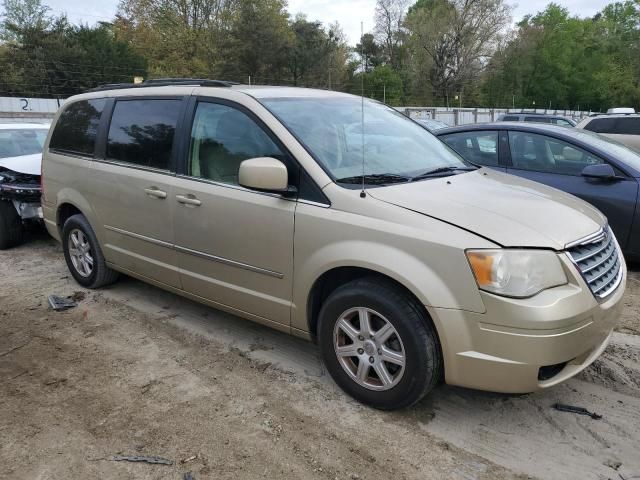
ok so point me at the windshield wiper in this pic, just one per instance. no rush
(441, 172)
(376, 179)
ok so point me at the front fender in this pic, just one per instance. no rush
(427, 262)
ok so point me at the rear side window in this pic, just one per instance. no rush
(142, 132)
(562, 122)
(602, 125)
(510, 118)
(77, 127)
(628, 126)
(476, 147)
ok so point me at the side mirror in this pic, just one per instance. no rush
(265, 174)
(602, 171)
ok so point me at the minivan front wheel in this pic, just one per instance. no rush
(378, 344)
(83, 254)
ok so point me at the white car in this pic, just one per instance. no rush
(20, 164)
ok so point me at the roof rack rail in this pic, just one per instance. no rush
(165, 82)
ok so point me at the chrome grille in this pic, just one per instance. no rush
(599, 262)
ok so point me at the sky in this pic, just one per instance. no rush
(349, 13)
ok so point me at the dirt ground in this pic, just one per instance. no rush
(134, 370)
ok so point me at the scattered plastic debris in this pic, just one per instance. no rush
(59, 303)
(578, 410)
(138, 458)
(188, 476)
(188, 459)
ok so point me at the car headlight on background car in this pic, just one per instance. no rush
(516, 273)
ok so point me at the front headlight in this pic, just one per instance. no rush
(516, 273)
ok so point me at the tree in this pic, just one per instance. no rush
(257, 42)
(458, 37)
(22, 17)
(389, 18)
(370, 52)
(312, 47)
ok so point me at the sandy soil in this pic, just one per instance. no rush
(134, 370)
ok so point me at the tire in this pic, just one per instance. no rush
(11, 228)
(94, 274)
(414, 338)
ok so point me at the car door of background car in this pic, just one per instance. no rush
(481, 147)
(131, 184)
(235, 245)
(559, 164)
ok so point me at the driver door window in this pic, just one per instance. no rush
(222, 137)
(540, 153)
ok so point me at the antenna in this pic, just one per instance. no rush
(362, 193)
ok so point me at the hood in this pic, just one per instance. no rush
(28, 164)
(508, 210)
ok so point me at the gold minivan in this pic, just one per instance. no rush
(339, 220)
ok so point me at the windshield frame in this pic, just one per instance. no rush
(264, 101)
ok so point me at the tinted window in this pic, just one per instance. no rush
(537, 119)
(477, 147)
(221, 138)
(77, 127)
(510, 118)
(23, 141)
(602, 125)
(545, 154)
(142, 131)
(628, 126)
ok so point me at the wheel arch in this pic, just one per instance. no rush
(70, 203)
(335, 277)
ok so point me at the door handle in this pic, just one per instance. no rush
(188, 200)
(155, 192)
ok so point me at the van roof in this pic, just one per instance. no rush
(179, 84)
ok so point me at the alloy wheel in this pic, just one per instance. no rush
(369, 348)
(80, 252)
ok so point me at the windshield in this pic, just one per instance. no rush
(625, 154)
(21, 141)
(331, 129)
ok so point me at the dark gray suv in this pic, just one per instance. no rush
(538, 118)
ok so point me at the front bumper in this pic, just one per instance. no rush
(520, 346)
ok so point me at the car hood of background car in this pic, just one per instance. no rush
(505, 209)
(28, 164)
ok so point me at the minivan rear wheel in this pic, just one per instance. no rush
(378, 344)
(83, 254)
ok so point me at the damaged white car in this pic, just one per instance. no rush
(20, 164)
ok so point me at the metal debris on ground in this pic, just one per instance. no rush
(138, 458)
(59, 303)
(578, 410)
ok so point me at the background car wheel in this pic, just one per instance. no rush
(83, 254)
(378, 344)
(11, 228)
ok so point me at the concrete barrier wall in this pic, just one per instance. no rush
(39, 110)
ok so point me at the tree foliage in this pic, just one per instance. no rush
(420, 52)
(558, 60)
